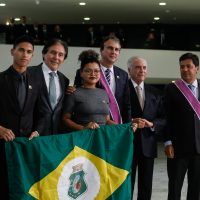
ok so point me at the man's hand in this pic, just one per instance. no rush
(148, 124)
(134, 126)
(70, 89)
(6, 134)
(34, 134)
(169, 151)
(139, 121)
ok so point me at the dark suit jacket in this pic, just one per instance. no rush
(122, 93)
(20, 122)
(11, 117)
(183, 126)
(53, 117)
(153, 111)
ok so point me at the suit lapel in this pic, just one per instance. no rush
(117, 79)
(147, 97)
(45, 91)
(136, 108)
(198, 90)
(44, 86)
(62, 87)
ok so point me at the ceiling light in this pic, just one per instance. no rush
(7, 23)
(2, 4)
(86, 18)
(162, 4)
(37, 2)
(156, 18)
(82, 3)
(17, 19)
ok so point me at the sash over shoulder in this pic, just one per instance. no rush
(192, 100)
(114, 108)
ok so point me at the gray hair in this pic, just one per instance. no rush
(133, 59)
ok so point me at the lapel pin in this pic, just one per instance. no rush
(104, 101)
(118, 77)
(30, 87)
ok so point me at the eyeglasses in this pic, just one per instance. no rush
(90, 71)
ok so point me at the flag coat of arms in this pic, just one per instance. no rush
(82, 165)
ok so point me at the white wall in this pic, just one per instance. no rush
(162, 64)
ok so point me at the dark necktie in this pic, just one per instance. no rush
(21, 91)
(52, 89)
(107, 74)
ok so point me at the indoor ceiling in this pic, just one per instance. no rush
(102, 11)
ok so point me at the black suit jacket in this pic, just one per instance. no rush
(183, 125)
(122, 93)
(53, 122)
(20, 122)
(145, 139)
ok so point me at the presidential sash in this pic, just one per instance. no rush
(113, 105)
(192, 100)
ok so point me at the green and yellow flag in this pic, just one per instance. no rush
(83, 165)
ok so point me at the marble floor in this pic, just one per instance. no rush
(160, 179)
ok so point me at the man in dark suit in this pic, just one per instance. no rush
(147, 111)
(118, 85)
(182, 135)
(54, 53)
(20, 92)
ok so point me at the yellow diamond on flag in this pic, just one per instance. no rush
(81, 175)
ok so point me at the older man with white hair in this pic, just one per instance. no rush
(147, 111)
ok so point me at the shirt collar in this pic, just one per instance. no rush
(195, 83)
(16, 74)
(46, 69)
(135, 84)
(105, 68)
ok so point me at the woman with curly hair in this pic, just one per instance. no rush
(88, 106)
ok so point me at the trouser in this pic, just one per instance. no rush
(145, 167)
(3, 173)
(177, 168)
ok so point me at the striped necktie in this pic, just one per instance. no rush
(192, 87)
(107, 74)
